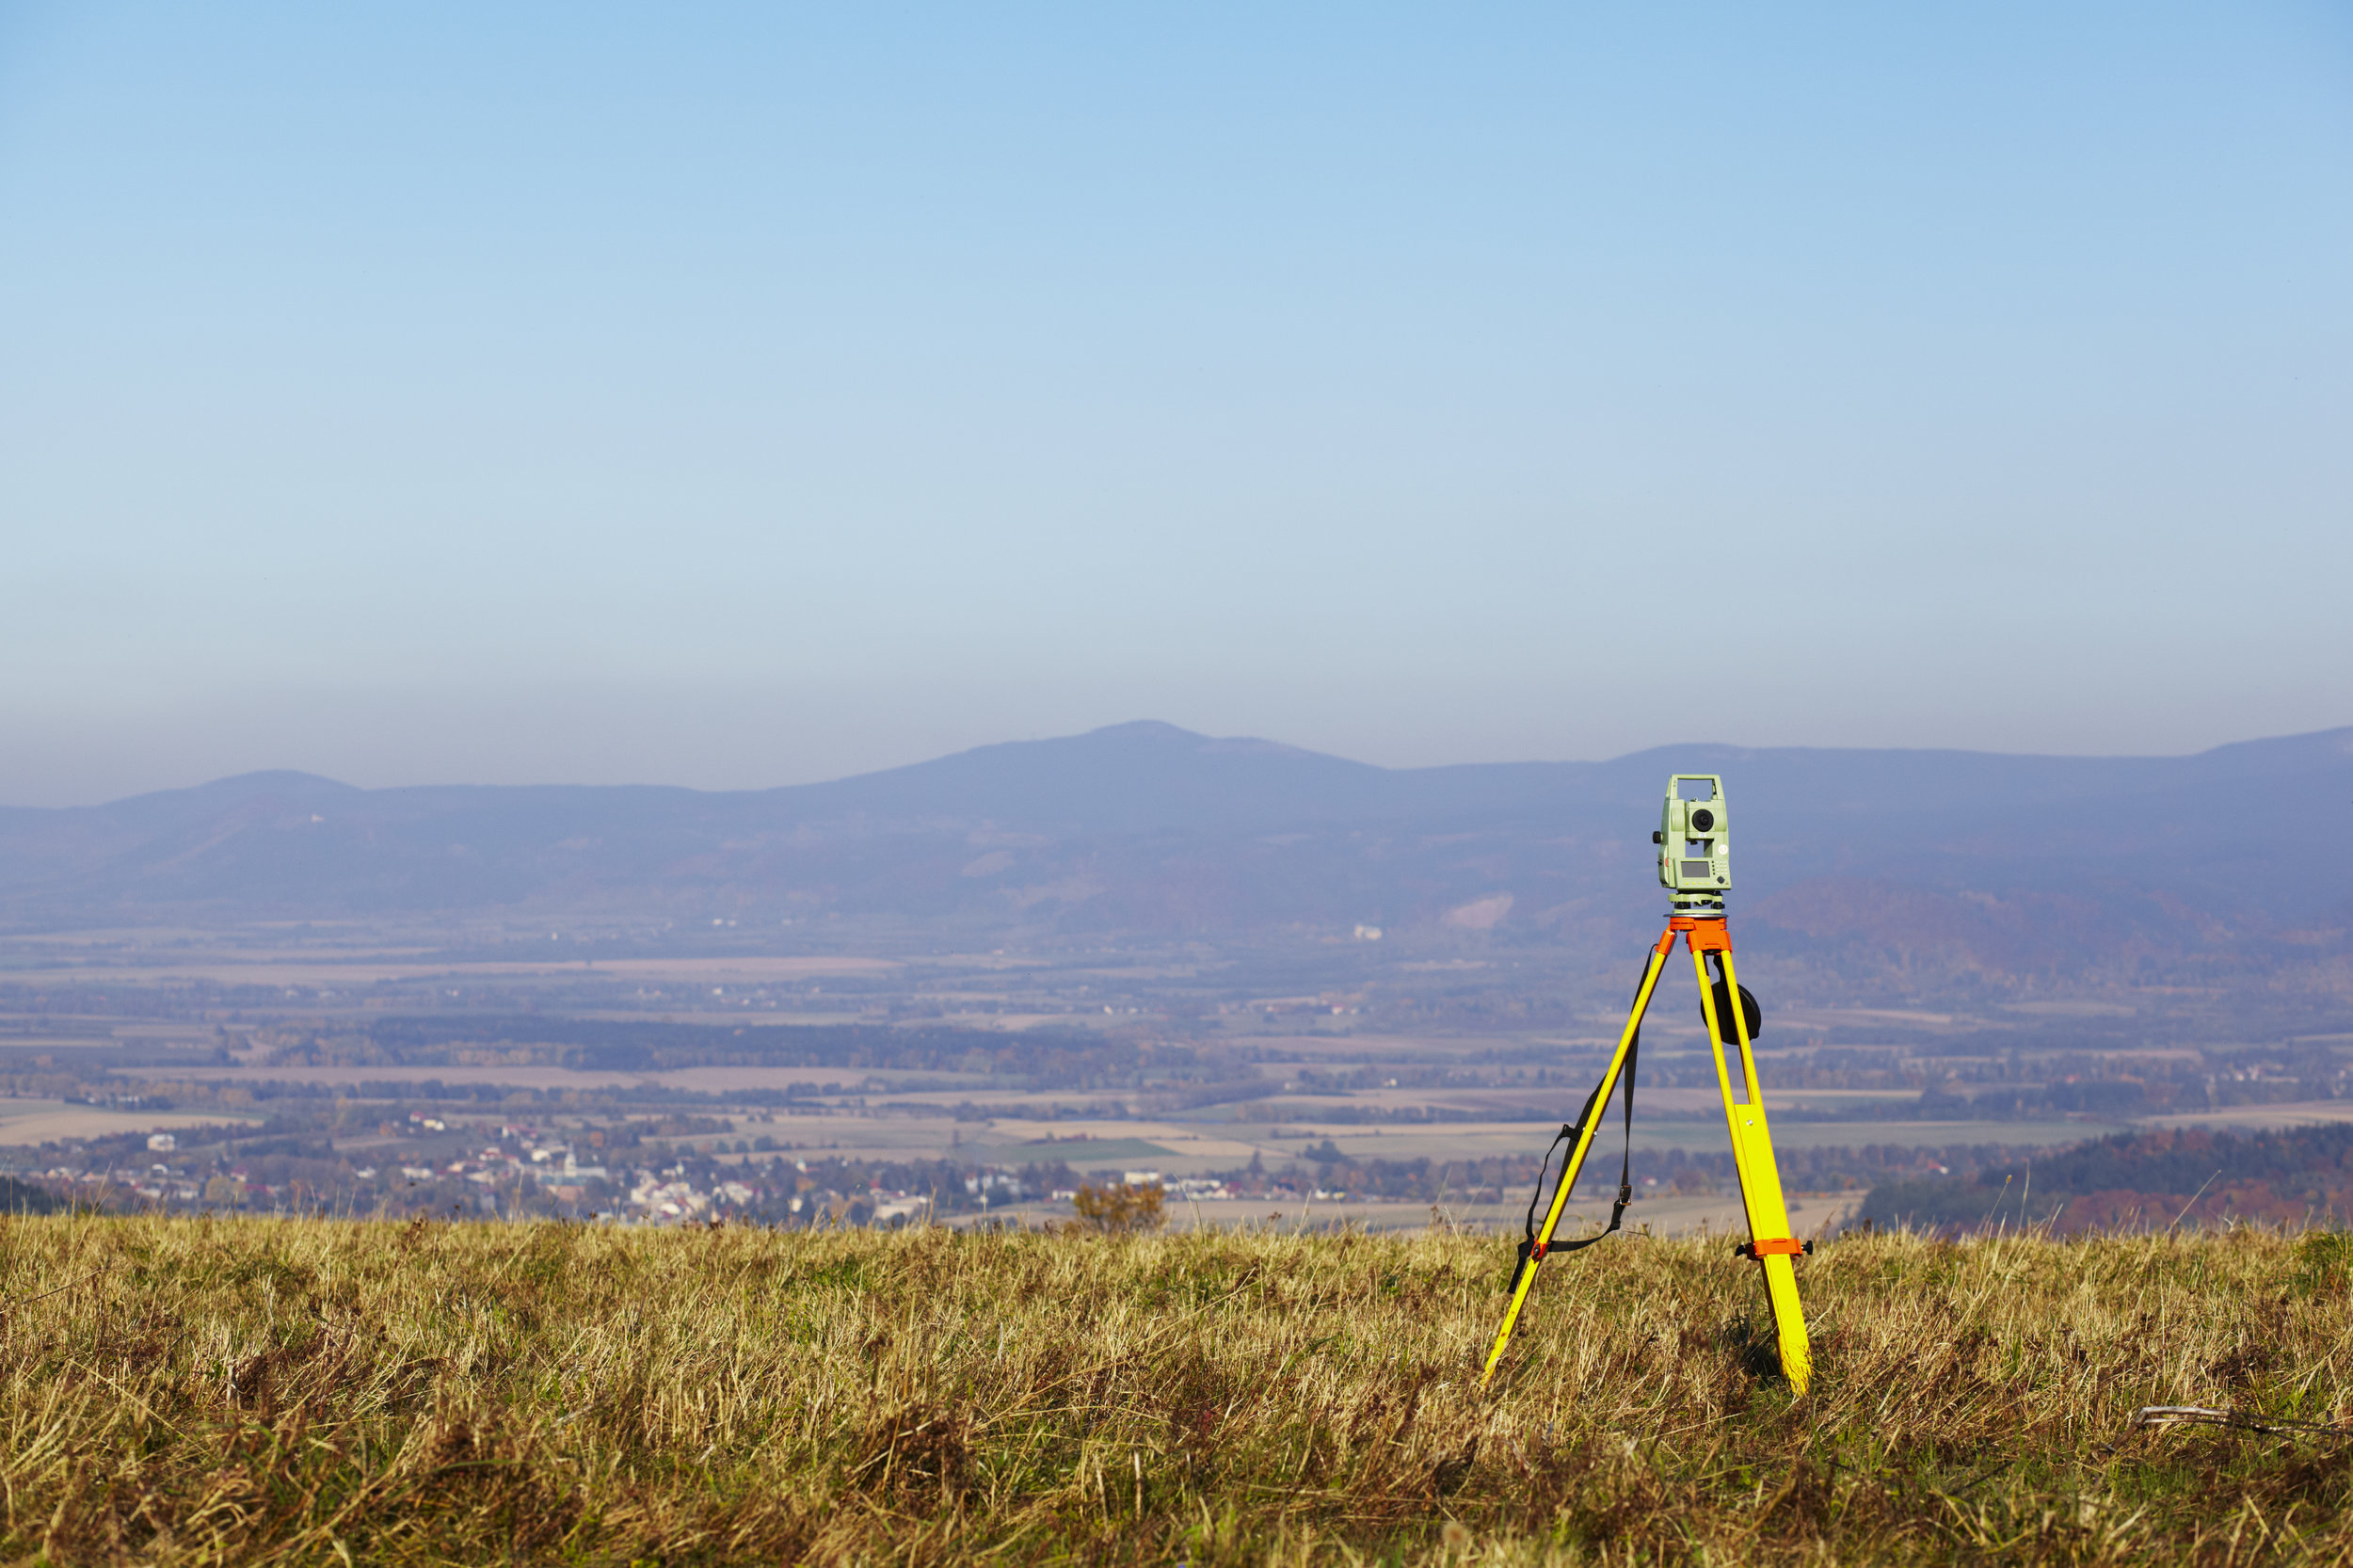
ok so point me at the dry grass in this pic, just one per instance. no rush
(320, 1391)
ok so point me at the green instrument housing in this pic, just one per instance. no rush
(1695, 845)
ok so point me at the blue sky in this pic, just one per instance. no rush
(734, 396)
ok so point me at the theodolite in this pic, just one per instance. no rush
(1695, 867)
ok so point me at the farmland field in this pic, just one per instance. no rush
(249, 1389)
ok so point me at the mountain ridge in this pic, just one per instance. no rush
(2338, 740)
(1146, 827)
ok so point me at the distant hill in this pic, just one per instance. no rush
(2142, 1179)
(1962, 861)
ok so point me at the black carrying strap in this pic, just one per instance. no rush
(1530, 1251)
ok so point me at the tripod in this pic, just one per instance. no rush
(1699, 920)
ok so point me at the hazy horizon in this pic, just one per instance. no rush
(744, 398)
(1688, 743)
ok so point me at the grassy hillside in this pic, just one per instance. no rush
(250, 1390)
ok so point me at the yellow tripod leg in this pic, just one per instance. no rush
(1759, 1173)
(1577, 1156)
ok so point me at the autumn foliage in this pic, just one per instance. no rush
(1120, 1207)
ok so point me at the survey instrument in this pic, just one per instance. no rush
(1694, 844)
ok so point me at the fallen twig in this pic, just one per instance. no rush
(27, 1301)
(2198, 1414)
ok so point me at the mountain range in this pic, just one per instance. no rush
(2005, 865)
